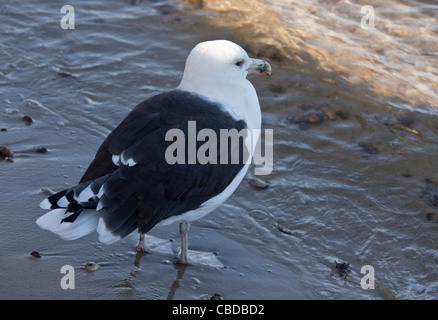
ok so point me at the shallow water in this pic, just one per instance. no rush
(353, 147)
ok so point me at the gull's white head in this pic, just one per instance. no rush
(219, 63)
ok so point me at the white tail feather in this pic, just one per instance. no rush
(105, 236)
(84, 224)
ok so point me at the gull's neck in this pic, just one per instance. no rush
(240, 100)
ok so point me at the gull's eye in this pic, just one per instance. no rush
(239, 63)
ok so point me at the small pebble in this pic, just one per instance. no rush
(213, 297)
(40, 149)
(343, 268)
(6, 153)
(314, 118)
(216, 297)
(330, 115)
(308, 115)
(35, 254)
(27, 120)
(258, 184)
(91, 266)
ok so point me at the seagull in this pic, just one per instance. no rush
(134, 182)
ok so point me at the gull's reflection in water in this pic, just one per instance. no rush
(180, 269)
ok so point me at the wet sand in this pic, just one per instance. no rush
(353, 178)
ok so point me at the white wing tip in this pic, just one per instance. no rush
(129, 162)
(116, 159)
(45, 204)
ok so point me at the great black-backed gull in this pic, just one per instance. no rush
(130, 185)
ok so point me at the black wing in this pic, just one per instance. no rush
(141, 195)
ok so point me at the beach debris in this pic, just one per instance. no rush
(47, 191)
(403, 123)
(27, 120)
(258, 184)
(405, 128)
(91, 266)
(283, 229)
(343, 269)
(216, 296)
(35, 254)
(309, 115)
(213, 297)
(6, 153)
